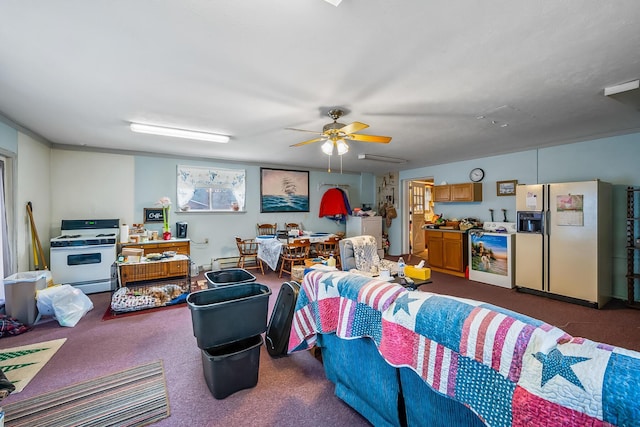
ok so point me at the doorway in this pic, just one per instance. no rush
(420, 211)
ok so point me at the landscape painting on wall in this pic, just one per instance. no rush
(284, 190)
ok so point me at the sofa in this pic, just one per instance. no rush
(402, 357)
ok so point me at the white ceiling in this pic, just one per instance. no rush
(77, 72)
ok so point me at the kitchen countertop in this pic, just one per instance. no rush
(150, 242)
(448, 230)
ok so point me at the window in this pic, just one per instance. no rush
(210, 189)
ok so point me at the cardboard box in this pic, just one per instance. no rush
(132, 254)
(417, 273)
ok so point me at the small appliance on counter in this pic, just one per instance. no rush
(181, 230)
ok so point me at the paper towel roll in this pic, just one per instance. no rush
(124, 233)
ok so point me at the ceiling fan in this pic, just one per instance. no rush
(336, 133)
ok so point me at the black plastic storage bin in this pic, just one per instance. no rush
(228, 276)
(228, 313)
(232, 367)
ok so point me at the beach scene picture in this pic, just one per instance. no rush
(489, 254)
(284, 190)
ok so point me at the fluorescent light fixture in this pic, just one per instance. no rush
(334, 2)
(179, 133)
(381, 158)
(624, 87)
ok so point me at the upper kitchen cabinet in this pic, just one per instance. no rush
(466, 192)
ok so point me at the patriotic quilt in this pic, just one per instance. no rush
(510, 369)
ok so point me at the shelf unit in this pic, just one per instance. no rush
(633, 249)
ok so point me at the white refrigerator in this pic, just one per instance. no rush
(563, 241)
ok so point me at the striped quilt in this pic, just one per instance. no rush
(510, 369)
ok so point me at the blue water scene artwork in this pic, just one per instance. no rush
(291, 203)
(284, 190)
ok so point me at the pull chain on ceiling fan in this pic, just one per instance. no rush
(334, 134)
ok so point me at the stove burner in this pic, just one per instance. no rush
(69, 236)
(105, 234)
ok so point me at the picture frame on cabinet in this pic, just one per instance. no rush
(506, 188)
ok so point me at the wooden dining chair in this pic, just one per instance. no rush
(291, 226)
(328, 247)
(248, 249)
(294, 254)
(265, 229)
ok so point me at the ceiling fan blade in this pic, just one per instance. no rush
(370, 138)
(304, 130)
(299, 144)
(353, 127)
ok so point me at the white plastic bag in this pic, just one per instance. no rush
(44, 300)
(68, 304)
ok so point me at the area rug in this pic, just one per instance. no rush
(21, 364)
(133, 397)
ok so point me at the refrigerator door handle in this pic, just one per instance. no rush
(545, 222)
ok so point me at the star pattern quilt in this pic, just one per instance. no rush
(510, 369)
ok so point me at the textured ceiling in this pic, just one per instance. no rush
(77, 72)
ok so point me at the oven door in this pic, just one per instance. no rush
(82, 264)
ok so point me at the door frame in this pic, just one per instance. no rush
(405, 234)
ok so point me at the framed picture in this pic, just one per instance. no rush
(284, 190)
(153, 215)
(506, 188)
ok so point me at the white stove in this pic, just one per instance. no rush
(83, 254)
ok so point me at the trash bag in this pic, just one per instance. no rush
(67, 304)
(44, 300)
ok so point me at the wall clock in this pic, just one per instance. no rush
(476, 175)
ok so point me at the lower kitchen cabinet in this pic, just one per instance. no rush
(447, 251)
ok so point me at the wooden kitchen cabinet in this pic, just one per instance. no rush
(442, 193)
(465, 192)
(181, 246)
(447, 251)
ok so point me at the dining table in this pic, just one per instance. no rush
(270, 246)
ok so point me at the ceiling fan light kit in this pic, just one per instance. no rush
(334, 134)
(178, 133)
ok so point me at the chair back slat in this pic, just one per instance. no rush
(266, 229)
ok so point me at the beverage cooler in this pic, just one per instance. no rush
(491, 254)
